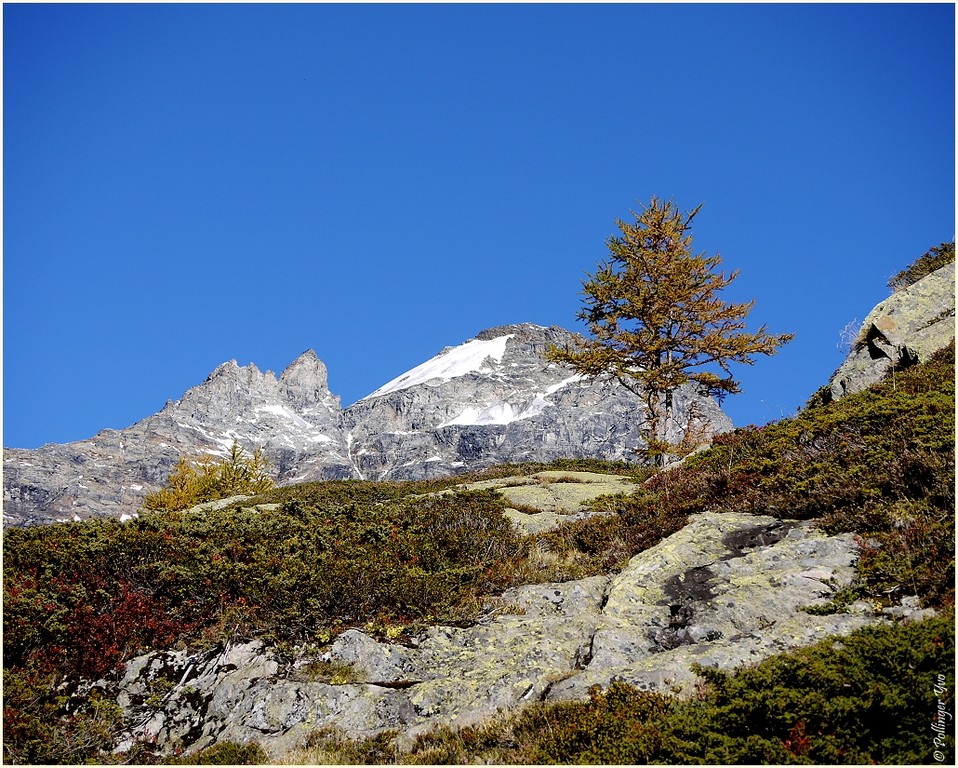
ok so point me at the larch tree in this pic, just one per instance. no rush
(657, 320)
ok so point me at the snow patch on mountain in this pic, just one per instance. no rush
(502, 412)
(573, 379)
(451, 363)
(499, 412)
(286, 413)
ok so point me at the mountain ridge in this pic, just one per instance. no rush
(491, 399)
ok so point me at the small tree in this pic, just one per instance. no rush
(208, 478)
(657, 320)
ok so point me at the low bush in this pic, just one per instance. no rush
(935, 258)
(41, 727)
(81, 598)
(225, 753)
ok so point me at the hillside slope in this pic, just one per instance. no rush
(291, 608)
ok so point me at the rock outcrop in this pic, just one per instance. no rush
(491, 400)
(907, 328)
(542, 501)
(726, 590)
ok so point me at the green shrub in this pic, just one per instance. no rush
(39, 729)
(81, 598)
(330, 746)
(225, 753)
(604, 543)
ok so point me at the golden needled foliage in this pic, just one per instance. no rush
(657, 320)
(195, 481)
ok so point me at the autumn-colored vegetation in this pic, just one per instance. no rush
(658, 321)
(934, 258)
(208, 478)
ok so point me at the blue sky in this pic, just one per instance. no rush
(189, 184)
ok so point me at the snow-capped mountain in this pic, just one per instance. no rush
(490, 400)
(496, 399)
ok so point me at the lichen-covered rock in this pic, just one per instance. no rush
(726, 590)
(906, 328)
(540, 502)
(381, 663)
(470, 674)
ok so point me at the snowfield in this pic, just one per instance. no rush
(450, 364)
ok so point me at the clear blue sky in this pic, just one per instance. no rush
(189, 184)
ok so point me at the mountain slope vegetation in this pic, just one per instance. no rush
(302, 563)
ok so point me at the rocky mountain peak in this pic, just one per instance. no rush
(520, 331)
(496, 399)
(305, 382)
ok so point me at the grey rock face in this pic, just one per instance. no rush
(495, 399)
(907, 328)
(491, 400)
(294, 418)
(726, 590)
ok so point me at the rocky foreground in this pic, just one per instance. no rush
(726, 590)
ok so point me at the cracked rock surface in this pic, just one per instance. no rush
(906, 328)
(724, 591)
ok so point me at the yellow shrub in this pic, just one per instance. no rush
(205, 479)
